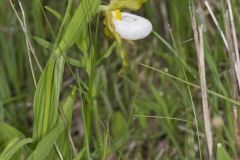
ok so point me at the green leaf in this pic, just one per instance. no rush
(45, 146)
(130, 4)
(55, 13)
(74, 62)
(7, 133)
(222, 153)
(48, 89)
(119, 125)
(83, 40)
(4, 87)
(108, 52)
(45, 108)
(82, 16)
(43, 42)
(68, 105)
(65, 22)
(81, 155)
(119, 130)
(14, 145)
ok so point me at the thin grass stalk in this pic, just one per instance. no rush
(216, 23)
(90, 101)
(58, 152)
(68, 131)
(134, 99)
(24, 29)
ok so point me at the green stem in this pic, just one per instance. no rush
(90, 104)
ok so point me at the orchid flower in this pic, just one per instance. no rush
(125, 26)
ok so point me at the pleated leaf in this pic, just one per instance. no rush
(58, 135)
(47, 97)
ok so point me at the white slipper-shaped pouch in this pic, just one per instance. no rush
(131, 27)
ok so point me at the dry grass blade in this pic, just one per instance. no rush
(233, 30)
(24, 28)
(30, 49)
(25, 31)
(234, 78)
(198, 36)
(68, 131)
(206, 111)
(234, 64)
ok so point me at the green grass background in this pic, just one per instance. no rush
(147, 112)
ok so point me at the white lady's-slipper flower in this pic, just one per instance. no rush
(131, 27)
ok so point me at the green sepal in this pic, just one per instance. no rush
(126, 4)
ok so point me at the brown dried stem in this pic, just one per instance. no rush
(234, 80)
(198, 37)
